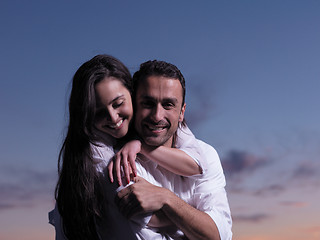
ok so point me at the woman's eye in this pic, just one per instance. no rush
(117, 104)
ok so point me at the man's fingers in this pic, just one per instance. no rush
(131, 209)
(122, 197)
(129, 205)
(141, 196)
(125, 191)
(138, 179)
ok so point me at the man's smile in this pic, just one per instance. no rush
(156, 128)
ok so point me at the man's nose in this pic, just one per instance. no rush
(158, 113)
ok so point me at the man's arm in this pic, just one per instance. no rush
(193, 223)
(145, 197)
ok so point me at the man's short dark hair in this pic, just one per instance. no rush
(158, 68)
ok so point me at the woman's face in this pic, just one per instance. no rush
(114, 107)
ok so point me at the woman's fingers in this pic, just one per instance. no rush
(132, 161)
(118, 168)
(110, 170)
(125, 166)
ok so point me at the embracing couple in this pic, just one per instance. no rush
(129, 167)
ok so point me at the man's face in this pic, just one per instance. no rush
(158, 110)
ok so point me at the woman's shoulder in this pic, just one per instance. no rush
(100, 148)
(101, 154)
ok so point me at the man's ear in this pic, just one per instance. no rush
(183, 109)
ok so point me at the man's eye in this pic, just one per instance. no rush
(168, 105)
(146, 104)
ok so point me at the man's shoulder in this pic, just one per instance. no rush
(211, 157)
(207, 148)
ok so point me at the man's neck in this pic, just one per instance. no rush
(170, 143)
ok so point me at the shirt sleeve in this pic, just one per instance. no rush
(210, 195)
(187, 142)
(102, 154)
(56, 221)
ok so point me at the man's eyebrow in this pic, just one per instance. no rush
(173, 100)
(147, 97)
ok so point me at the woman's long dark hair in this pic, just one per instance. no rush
(78, 194)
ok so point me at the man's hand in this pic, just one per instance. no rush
(141, 197)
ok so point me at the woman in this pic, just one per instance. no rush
(100, 113)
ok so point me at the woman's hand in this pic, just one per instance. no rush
(125, 158)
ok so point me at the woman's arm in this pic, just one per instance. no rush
(172, 159)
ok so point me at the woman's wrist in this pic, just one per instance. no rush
(146, 149)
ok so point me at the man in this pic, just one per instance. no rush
(198, 207)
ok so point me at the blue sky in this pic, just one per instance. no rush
(252, 72)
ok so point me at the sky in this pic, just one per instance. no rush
(252, 76)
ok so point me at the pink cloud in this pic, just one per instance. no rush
(294, 204)
(315, 230)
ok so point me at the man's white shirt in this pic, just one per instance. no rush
(205, 192)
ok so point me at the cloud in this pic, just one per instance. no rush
(25, 187)
(198, 112)
(315, 230)
(237, 162)
(4, 206)
(241, 169)
(294, 204)
(200, 100)
(273, 190)
(255, 218)
(306, 169)
(306, 175)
